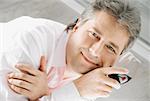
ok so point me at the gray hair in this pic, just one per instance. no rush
(126, 14)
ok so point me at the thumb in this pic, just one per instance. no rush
(42, 64)
(120, 70)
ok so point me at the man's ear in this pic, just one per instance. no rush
(75, 28)
(77, 25)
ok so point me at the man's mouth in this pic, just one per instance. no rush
(87, 59)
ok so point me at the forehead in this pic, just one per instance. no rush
(108, 26)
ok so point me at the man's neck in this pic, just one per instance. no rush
(69, 73)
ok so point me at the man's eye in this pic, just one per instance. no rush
(94, 35)
(111, 48)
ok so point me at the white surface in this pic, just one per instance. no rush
(75, 6)
(137, 90)
(142, 49)
(1, 38)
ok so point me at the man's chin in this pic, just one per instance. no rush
(82, 69)
(89, 70)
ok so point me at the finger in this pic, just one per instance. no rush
(98, 93)
(27, 69)
(115, 70)
(20, 84)
(105, 88)
(19, 90)
(22, 76)
(43, 64)
(103, 94)
(110, 82)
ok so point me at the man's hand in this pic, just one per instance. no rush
(29, 82)
(97, 83)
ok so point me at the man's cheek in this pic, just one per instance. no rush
(112, 61)
(108, 61)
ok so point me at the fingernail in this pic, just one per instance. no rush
(106, 95)
(110, 91)
(126, 70)
(10, 75)
(17, 65)
(118, 86)
(10, 80)
(12, 86)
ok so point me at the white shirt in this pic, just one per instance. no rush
(26, 40)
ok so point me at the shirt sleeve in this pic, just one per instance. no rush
(27, 47)
(68, 92)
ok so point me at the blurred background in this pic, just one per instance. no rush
(137, 60)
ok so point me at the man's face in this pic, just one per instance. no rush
(95, 44)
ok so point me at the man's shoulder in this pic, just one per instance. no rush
(27, 23)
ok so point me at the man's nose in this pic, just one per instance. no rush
(97, 48)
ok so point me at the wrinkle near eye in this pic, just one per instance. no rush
(93, 35)
(111, 49)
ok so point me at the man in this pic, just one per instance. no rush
(84, 52)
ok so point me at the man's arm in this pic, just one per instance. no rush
(68, 92)
(86, 88)
(28, 48)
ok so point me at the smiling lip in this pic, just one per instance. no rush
(88, 60)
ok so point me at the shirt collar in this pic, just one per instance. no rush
(59, 59)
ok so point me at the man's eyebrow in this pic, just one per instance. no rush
(111, 43)
(98, 31)
(114, 45)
